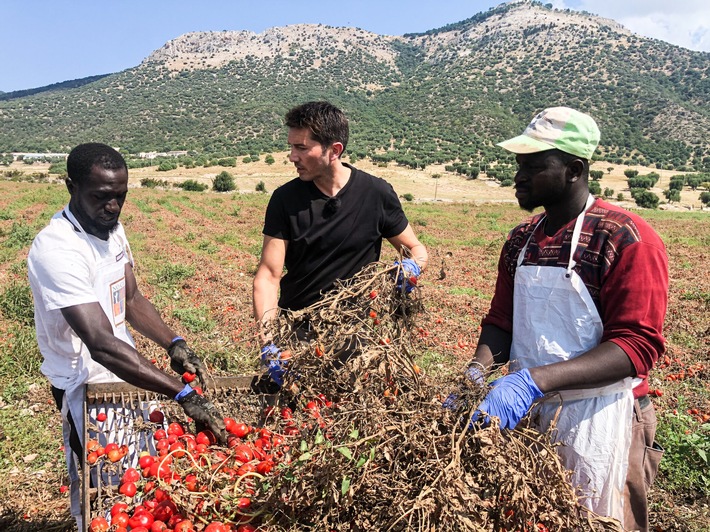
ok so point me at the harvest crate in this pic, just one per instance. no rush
(127, 409)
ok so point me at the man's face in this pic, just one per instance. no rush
(541, 180)
(311, 160)
(97, 202)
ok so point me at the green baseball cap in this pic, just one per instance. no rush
(559, 128)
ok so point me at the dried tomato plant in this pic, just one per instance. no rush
(376, 450)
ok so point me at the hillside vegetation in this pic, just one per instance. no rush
(443, 96)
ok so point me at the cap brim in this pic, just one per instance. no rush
(524, 144)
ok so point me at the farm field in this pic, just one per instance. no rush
(196, 254)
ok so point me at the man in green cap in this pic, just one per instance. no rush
(578, 311)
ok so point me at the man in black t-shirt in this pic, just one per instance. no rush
(328, 223)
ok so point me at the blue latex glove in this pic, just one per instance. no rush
(408, 275)
(271, 359)
(510, 399)
(474, 373)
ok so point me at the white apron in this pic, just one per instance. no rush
(555, 319)
(109, 285)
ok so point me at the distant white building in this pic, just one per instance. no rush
(15, 155)
(156, 154)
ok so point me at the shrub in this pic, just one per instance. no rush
(224, 182)
(408, 196)
(646, 199)
(149, 182)
(595, 188)
(269, 159)
(705, 198)
(192, 186)
(261, 187)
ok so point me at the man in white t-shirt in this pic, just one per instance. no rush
(81, 273)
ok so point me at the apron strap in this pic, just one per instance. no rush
(576, 233)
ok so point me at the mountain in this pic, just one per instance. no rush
(445, 95)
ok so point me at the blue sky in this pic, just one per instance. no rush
(48, 41)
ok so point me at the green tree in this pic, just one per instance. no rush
(631, 173)
(672, 195)
(223, 182)
(705, 198)
(595, 188)
(596, 175)
(269, 159)
(646, 199)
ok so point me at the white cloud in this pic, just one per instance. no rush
(685, 23)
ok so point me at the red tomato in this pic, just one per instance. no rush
(184, 526)
(160, 434)
(164, 511)
(111, 447)
(373, 294)
(246, 528)
(291, 430)
(159, 526)
(161, 495)
(143, 518)
(286, 413)
(131, 475)
(118, 508)
(243, 503)
(240, 430)
(215, 526)
(188, 377)
(146, 460)
(128, 489)
(190, 482)
(178, 449)
(207, 437)
(176, 428)
(156, 416)
(120, 519)
(245, 468)
(243, 453)
(98, 524)
(228, 423)
(265, 466)
(101, 417)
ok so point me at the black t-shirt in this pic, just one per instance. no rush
(335, 244)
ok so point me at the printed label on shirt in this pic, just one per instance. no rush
(118, 301)
(120, 255)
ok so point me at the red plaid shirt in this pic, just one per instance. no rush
(622, 262)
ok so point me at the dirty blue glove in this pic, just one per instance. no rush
(408, 275)
(271, 359)
(474, 373)
(510, 399)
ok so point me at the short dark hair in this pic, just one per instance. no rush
(85, 156)
(326, 122)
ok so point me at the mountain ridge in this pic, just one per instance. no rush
(446, 95)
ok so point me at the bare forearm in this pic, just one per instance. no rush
(265, 301)
(605, 364)
(126, 363)
(144, 318)
(420, 255)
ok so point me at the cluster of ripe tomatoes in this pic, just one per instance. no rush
(193, 483)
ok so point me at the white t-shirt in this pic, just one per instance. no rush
(64, 267)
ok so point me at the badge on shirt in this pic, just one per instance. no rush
(118, 301)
